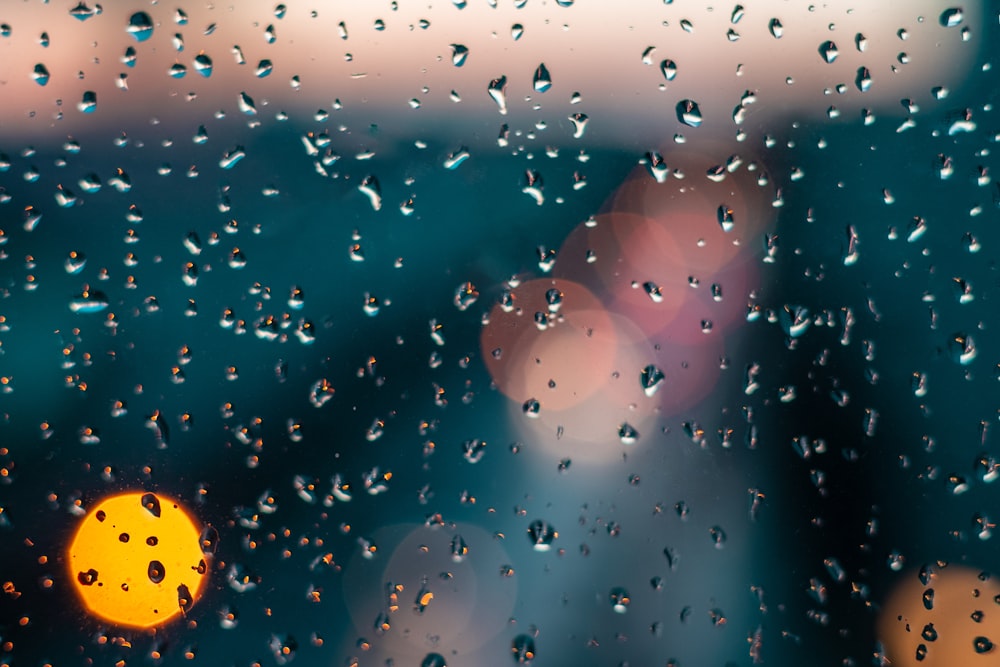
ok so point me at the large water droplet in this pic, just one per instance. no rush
(828, 50)
(497, 90)
(542, 80)
(651, 378)
(459, 54)
(140, 26)
(40, 74)
(542, 534)
(689, 113)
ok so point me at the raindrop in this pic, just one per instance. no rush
(828, 51)
(41, 74)
(863, 80)
(542, 80)
(689, 113)
(140, 26)
(620, 600)
(455, 159)
(523, 649)
(776, 29)
(669, 69)
(542, 534)
(651, 378)
(156, 572)
(459, 54)
(951, 17)
(628, 434)
(88, 102)
(89, 301)
(246, 104)
(982, 645)
(473, 450)
(433, 660)
(928, 599)
(962, 348)
(370, 187)
(264, 68)
(725, 217)
(497, 90)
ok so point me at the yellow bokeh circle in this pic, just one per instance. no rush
(136, 560)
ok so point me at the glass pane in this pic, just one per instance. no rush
(498, 332)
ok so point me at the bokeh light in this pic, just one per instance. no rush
(942, 615)
(429, 588)
(136, 560)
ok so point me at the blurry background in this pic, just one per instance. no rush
(365, 284)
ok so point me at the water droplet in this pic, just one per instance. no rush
(829, 52)
(140, 26)
(718, 536)
(725, 217)
(531, 408)
(669, 69)
(81, 12)
(473, 450)
(231, 158)
(497, 90)
(89, 301)
(433, 660)
(951, 17)
(156, 571)
(264, 69)
(776, 29)
(455, 159)
(459, 54)
(88, 578)
(542, 80)
(628, 434)
(620, 600)
(41, 74)
(982, 645)
(246, 104)
(203, 65)
(962, 348)
(542, 534)
(523, 649)
(651, 379)
(863, 80)
(689, 113)
(928, 599)
(88, 102)
(795, 320)
(370, 187)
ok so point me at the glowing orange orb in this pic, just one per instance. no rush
(950, 617)
(136, 560)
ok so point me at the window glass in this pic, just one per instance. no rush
(491, 332)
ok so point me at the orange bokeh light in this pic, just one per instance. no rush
(136, 560)
(949, 617)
